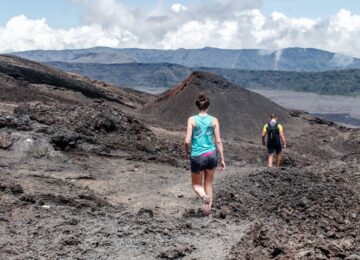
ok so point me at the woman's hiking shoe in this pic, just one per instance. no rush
(206, 199)
(206, 209)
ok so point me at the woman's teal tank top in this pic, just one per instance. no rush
(203, 135)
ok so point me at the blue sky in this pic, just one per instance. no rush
(65, 14)
(58, 13)
(310, 8)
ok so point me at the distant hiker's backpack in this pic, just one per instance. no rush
(273, 133)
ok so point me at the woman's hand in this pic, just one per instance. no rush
(189, 130)
(223, 165)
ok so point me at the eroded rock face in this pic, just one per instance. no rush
(87, 120)
(6, 140)
(24, 145)
(96, 128)
(20, 123)
(11, 188)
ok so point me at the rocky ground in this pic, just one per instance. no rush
(68, 196)
(306, 213)
(86, 178)
(147, 211)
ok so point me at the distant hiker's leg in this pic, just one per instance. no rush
(197, 183)
(271, 159)
(278, 160)
(208, 183)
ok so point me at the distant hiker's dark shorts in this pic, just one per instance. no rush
(200, 163)
(274, 148)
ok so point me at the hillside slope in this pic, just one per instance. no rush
(25, 80)
(59, 111)
(241, 112)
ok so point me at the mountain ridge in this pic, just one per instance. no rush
(288, 59)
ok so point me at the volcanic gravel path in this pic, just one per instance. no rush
(148, 211)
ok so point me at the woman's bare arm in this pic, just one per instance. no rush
(218, 142)
(283, 140)
(189, 130)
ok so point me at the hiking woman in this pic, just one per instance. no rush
(201, 142)
(275, 139)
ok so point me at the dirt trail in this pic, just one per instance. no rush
(152, 212)
(114, 208)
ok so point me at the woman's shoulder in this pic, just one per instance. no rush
(213, 117)
(214, 120)
(191, 119)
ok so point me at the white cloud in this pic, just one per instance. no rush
(21, 33)
(192, 34)
(177, 8)
(223, 24)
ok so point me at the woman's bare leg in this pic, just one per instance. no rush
(197, 183)
(271, 159)
(208, 183)
(278, 160)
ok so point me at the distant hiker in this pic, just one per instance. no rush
(275, 139)
(201, 142)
